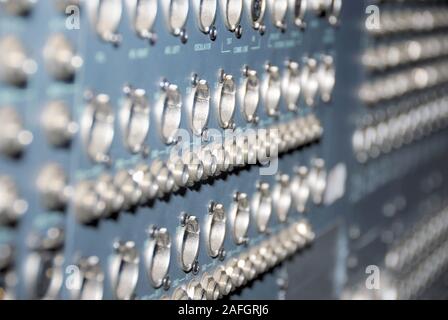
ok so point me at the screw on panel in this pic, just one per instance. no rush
(144, 151)
(164, 84)
(114, 38)
(150, 36)
(245, 70)
(222, 254)
(205, 135)
(221, 75)
(166, 283)
(117, 245)
(194, 79)
(183, 36)
(104, 159)
(239, 31)
(152, 231)
(196, 267)
(213, 33)
(211, 207)
(183, 219)
(282, 26)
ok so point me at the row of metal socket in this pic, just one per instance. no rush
(286, 194)
(105, 15)
(215, 284)
(308, 81)
(97, 128)
(400, 83)
(418, 244)
(59, 56)
(432, 268)
(410, 20)
(98, 199)
(241, 270)
(157, 251)
(400, 129)
(62, 62)
(420, 275)
(289, 193)
(401, 52)
(143, 15)
(144, 183)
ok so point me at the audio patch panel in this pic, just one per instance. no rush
(219, 149)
